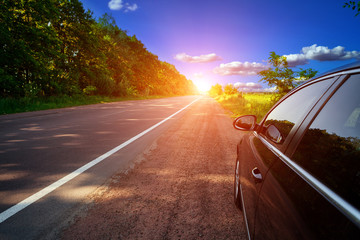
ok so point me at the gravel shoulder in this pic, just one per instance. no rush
(180, 188)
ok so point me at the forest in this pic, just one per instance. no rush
(57, 48)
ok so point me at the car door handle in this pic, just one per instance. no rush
(257, 175)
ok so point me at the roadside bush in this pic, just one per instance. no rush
(238, 104)
(89, 90)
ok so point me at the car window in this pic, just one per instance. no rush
(330, 149)
(283, 117)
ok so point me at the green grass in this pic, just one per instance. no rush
(11, 105)
(238, 104)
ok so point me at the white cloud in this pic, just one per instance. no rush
(118, 5)
(320, 53)
(296, 60)
(273, 89)
(250, 87)
(131, 7)
(239, 68)
(197, 59)
(247, 85)
(115, 4)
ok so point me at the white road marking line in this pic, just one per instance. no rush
(33, 198)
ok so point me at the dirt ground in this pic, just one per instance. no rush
(182, 187)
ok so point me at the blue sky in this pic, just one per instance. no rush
(229, 41)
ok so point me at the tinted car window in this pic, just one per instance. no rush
(330, 149)
(282, 119)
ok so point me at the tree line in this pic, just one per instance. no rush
(218, 90)
(55, 48)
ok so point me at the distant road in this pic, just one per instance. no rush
(39, 148)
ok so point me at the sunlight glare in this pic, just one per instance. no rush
(203, 86)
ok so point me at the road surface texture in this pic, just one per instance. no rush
(175, 182)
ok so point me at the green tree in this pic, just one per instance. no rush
(28, 47)
(306, 74)
(281, 76)
(55, 47)
(216, 90)
(134, 69)
(117, 51)
(48, 48)
(229, 89)
(84, 61)
(354, 6)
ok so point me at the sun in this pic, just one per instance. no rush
(203, 86)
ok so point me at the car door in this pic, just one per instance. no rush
(314, 191)
(254, 160)
(275, 131)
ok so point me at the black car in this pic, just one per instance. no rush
(297, 173)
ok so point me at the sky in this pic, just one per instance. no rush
(229, 41)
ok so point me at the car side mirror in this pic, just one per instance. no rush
(274, 134)
(245, 123)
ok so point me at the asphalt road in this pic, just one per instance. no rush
(39, 148)
(181, 189)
